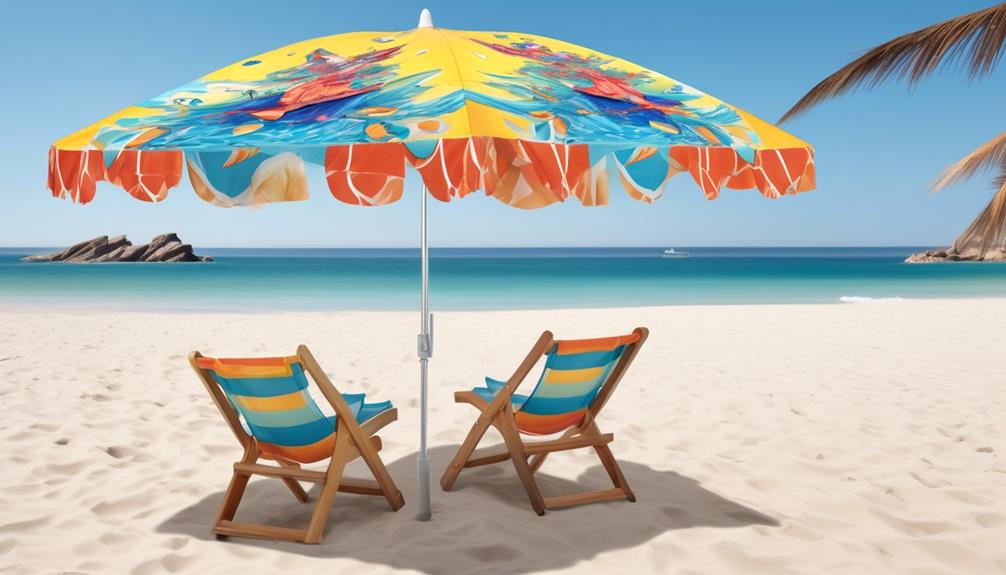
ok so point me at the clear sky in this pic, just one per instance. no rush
(66, 64)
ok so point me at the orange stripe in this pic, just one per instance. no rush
(302, 453)
(547, 424)
(208, 362)
(249, 367)
(570, 346)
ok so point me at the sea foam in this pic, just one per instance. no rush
(861, 299)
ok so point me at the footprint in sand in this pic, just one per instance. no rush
(177, 543)
(990, 520)
(114, 538)
(125, 506)
(127, 451)
(72, 468)
(6, 545)
(20, 527)
(910, 527)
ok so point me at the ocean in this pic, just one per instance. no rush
(505, 278)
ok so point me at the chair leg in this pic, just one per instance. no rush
(292, 484)
(465, 451)
(384, 480)
(232, 497)
(519, 458)
(333, 476)
(614, 471)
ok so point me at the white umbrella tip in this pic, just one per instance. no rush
(425, 19)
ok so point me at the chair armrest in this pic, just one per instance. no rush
(374, 424)
(472, 398)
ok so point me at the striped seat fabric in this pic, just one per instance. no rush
(574, 372)
(271, 396)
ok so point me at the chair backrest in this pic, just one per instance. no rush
(267, 398)
(579, 376)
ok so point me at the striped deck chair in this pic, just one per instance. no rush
(266, 404)
(578, 379)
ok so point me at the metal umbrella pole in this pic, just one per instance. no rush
(425, 352)
(425, 343)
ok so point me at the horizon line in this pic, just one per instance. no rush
(553, 247)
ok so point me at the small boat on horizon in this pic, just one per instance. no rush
(671, 253)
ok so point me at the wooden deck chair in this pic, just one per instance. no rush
(578, 379)
(266, 404)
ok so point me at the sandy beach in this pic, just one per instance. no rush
(863, 438)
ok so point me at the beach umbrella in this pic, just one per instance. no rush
(530, 121)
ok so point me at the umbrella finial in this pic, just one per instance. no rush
(425, 19)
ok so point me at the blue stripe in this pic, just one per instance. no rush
(555, 361)
(494, 385)
(297, 435)
(263, 386)
(488, 395)
(584, 360)
(371, 409)
(283, 418)
(556, 405)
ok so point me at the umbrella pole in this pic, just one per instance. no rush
(425, 351)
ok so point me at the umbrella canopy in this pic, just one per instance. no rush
(529, 120)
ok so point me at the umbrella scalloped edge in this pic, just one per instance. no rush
(519, 173)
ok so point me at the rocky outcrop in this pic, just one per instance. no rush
(163, 248)
(952, 255)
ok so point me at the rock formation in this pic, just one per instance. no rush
(163, 248)
(952, 255)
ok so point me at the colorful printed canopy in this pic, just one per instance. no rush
(529, 120)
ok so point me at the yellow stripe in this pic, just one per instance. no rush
(573, 375)
(293, 400)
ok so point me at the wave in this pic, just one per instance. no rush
(861, 299)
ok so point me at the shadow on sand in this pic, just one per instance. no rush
(485, 524)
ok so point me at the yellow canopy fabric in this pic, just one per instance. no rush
(529, 120)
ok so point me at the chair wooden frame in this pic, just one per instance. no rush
(352, 440)
(500, 414)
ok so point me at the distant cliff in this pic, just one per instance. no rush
(163, 248)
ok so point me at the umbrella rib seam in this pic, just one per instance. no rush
(457, 71)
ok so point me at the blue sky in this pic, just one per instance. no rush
(66, 64)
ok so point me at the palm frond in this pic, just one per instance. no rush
(988, 231)
(990, 155)
(978, 38)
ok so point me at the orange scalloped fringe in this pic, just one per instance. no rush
(520, 174)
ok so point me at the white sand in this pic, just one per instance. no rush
(758, 439)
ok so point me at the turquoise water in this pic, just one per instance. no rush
(475, 278)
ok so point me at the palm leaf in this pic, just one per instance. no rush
(988, 231)
(978, 38)
(990, 155)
